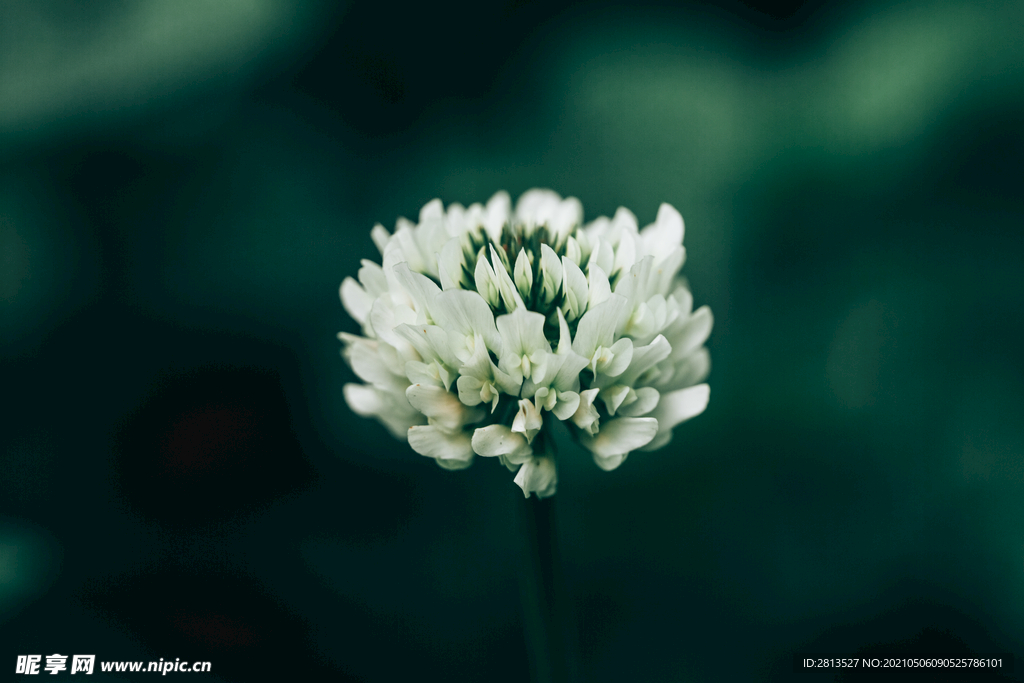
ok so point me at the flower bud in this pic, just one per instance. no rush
(523, 274)
(486, 283)
(550, 274)
(573, 251)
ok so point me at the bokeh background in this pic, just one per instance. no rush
(183, 186)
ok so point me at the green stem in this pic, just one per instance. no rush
(543, 591)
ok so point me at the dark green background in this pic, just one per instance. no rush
(183, 186)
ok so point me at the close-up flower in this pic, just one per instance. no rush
(485, 327)
(205, 453)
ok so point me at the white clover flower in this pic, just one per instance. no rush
(485, 326)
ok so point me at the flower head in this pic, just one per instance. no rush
(485, 326)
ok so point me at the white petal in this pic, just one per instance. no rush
(406, 245)
(667, 265)
(513, 460)
(466, 313)
(455, 219)
(380, 237)
(453, 463)
(621, 435)
(564, 338)
(597, 327)
(596, 229)
(623, 224)
(509, 295)
(643, 358)
(625, 254)
(575, 289)
(635, 286)
(523, 273)
(537, 206)
(568, 404)
(388, 409)
(646, 400)
(688, 372)
(600, 289)
(371, 366)
(694, 332)
(421, 290)
(394, 253)
(528, 421)
(622, 354)
(679, 406)
(363, 400)
(505, 381)
(500, 440)
(372, 277)
(573, 250)
(602, 255)
(662, 439)
(355, 300)
(496, 214)
(683, 298)
(452, 451)
(430, 341)
(609, 462)
(665, 234)
(450, 263)
(586, 416)
(648, 319)
(428, 373)
(480, 366)
(539, 476)
(568, 376)
(614, 395)
(442, 407)
(551, 273)
(522, 333)
(485, 281)
(432, 211)
(385, 317)
(568, 214)
(469, 390)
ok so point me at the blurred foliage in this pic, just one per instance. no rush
(184, 185)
